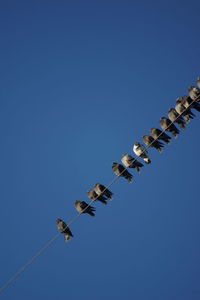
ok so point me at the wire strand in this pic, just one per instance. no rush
(50, 242)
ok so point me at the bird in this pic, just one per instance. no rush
(142, 152)
(63, 228)
(120, 171)
(166, 124)
(194, 93)
(83, 208)
(100, 189)
(198, 82)
(176, 118)
(151, 142)
(188, 102)
(131, 162)
(157, 134)
(182, 110)
(95, 197)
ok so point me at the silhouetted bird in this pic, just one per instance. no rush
(188, 102)
(176, 118)
(186, 113)
(63, 228)
(120, 171)
(100, 189)
(83, 208)
(158, 134)
(142, 152)
(166, 124)
(151, 142)
(194, 93)
(131, 162)
(95, 197)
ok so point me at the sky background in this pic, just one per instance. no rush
(81, 81)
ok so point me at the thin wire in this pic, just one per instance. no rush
(48, 244)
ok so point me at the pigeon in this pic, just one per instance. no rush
(95, 197)
(63, 228)
(198, 82)
(100, 189)
(157, 134)
(142, 152)
(120, 171)
(181, 110)
(131, 162)
(83, 208)
(166, 124)
(188, 102)
(176, 118)
(151, 142)
(194, 93)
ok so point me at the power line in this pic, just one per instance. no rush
(48, 244)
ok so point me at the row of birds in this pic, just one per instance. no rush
(181, 115)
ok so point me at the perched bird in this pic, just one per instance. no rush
(194, 93)
(176, 118)
(188, 102)
(166, 124)
(182, 110)
(95, 197)
(157, 134)
(63, 228)
(198, 82)
(120, 171)
(142, 152)
(151, 142)
(131, 162)
(83, 208)
(100, 189)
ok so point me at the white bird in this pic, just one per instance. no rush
(142, 152)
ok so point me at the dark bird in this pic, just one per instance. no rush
(100, 189)
(158, 134)
(186, 113)
(130, 162)
(63, 228)
(95, 197)
(120, 171)
(176, 118)
(166, 125)
(83, 208)
(194, 93)
(142, 152)
(198, 82)
(188, 102)
(151, 142)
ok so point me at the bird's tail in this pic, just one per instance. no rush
(102, 201)
(138, 169)
(91, 213)
(197, 106)
(147, 160)
(182, 125)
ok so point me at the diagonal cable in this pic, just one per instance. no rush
(50, 242)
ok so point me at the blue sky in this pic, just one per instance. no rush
(81, 81)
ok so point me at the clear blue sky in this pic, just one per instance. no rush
(81, 81)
